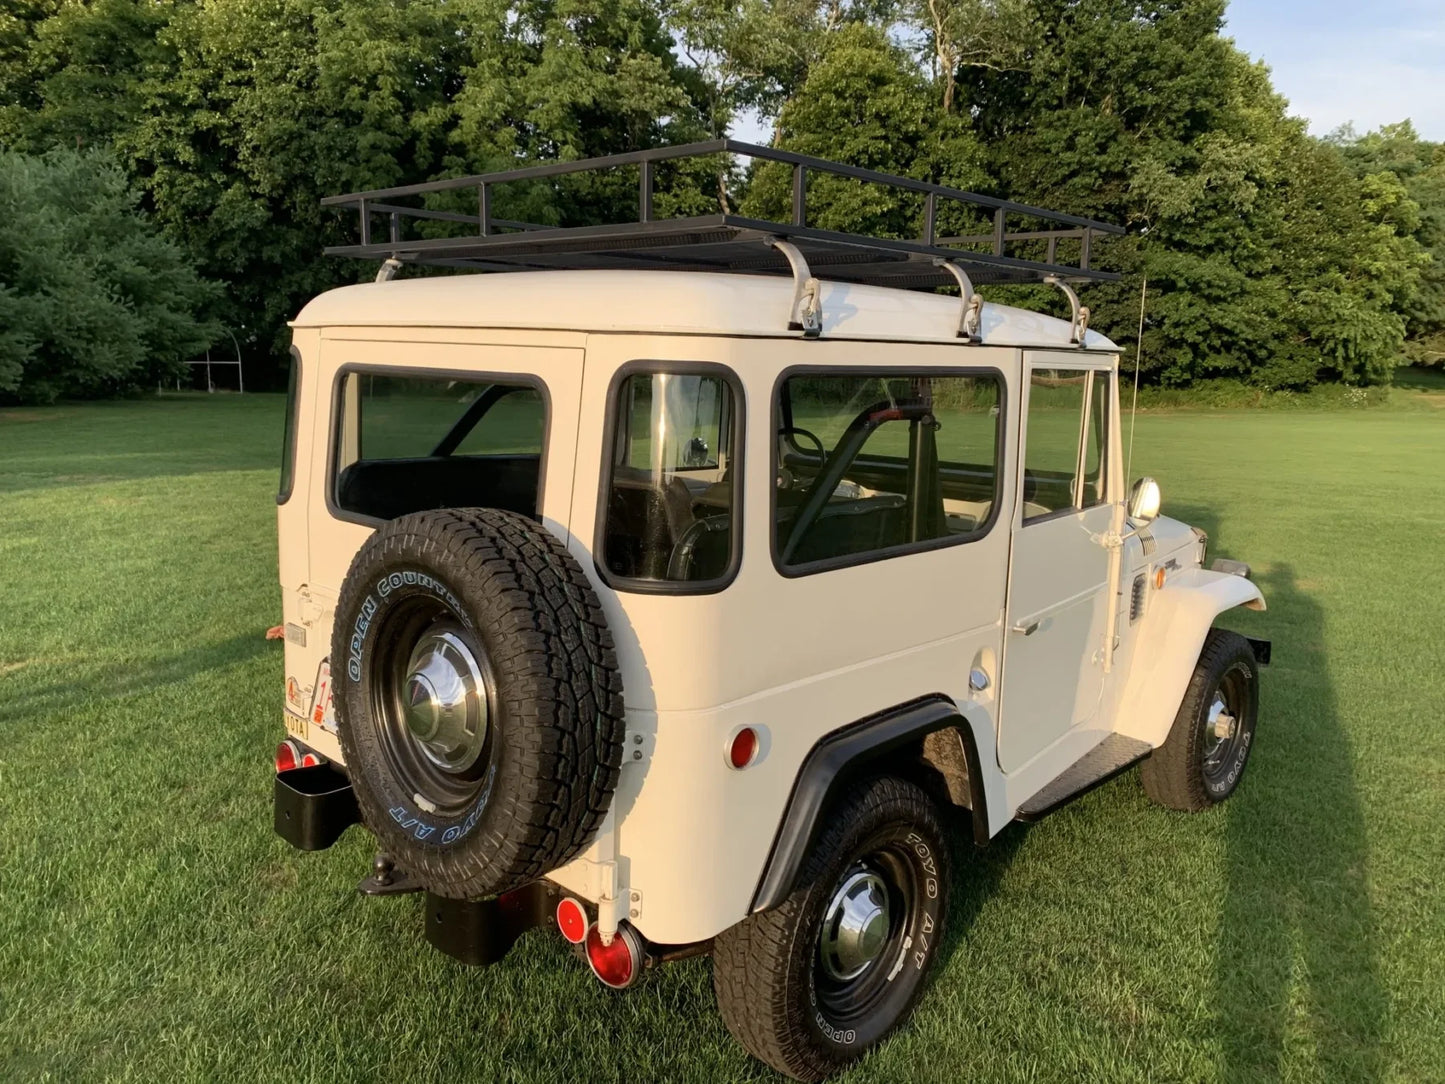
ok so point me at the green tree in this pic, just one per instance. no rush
(865, 103)
(19, 85)
(756, 54)
(93, 300)
(236, 119)
(1398, 150)
(76, 71)
(1139, 112)
(957, 35)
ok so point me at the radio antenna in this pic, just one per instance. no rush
(1138, 356)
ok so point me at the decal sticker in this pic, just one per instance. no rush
(321, 713)
(384, 587)
(837, 1035)
(293, 693)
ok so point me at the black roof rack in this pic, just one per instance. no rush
(727, 241)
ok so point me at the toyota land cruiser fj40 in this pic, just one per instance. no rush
(686, 607)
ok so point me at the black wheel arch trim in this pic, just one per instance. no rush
(841, 756)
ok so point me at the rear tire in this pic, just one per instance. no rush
(810, 985)
(1203, 759)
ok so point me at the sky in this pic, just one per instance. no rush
(1337, 61)
(1343, 61)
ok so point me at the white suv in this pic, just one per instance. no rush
(703, 612)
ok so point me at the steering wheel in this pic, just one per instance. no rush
(798, 430)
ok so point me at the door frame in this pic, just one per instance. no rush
(1043, 764)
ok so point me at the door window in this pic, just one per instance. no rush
(880, 464)
(1065, 441)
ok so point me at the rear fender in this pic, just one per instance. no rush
(843, 756)
(1167, 645)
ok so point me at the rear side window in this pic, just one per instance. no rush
(879, 464)
(671, 510)
(408, 442)
(1064, 441)
(288, 436)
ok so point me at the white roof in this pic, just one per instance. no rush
(670, 301)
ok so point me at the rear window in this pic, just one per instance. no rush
(410, 442)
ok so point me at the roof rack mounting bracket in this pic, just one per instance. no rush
(388, 269)
(1079, 322)
(806, 313)
(970, 319)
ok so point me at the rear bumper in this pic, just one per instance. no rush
(314, 806)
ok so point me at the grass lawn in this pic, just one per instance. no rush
(152, 927)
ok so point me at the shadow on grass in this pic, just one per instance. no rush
(1418, 378)
(1295, 966)
(116, 680)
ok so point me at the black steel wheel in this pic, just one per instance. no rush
(810, 985)
(478, 699)
(432, 700)
(1203, 759)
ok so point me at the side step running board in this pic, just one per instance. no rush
(1113, 755)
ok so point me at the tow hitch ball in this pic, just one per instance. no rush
(386, 879)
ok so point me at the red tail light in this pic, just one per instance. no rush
(288, 756)
(617, 964)
(743, 748)
(572, 920)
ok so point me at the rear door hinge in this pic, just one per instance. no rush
(636, 748)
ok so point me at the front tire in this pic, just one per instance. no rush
(1203, 759)
(810, 985)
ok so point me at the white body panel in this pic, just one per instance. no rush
(794, 657)
(1180, 616)
(696, 667)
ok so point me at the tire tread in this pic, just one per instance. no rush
(755, 977)
(1170, 775)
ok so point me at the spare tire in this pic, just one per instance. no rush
(478, 700)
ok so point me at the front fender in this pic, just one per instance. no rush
(1167, 643)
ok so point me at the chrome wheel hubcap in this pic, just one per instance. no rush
(1219, 728)
(444, 701)
(855, 925)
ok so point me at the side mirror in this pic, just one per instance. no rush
(1144, 500)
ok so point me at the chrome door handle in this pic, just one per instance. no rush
(1028, 628)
